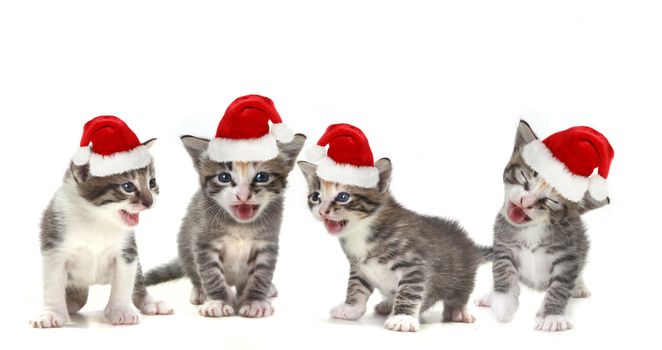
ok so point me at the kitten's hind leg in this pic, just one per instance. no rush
(457, 313)
(76, 298)
(580, 290)
(485, 300)
(385, 307)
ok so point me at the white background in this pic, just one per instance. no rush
(437, 87)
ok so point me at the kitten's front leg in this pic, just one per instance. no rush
(504, 300)
(358, 292)
(407, 301)
(254, 301)
(210, 270)
(120, 310)
(551, 316)
(54, 277)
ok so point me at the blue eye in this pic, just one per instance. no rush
(315, 197)
(261, 177)
(224, 177)
(128, 187)
(342, 197)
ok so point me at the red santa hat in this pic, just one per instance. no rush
(567, 160)
(110, 147)
(349, 158)
(243, 132)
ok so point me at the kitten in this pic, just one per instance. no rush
(413, 260)
(229, 236)
(544, 247)
(87, 237)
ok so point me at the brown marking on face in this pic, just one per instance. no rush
(242, 169)
(542, 185)
(327, 186)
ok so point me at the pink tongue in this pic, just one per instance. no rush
(333, 226)
(517, 215)
(131, 219)
(244, 211)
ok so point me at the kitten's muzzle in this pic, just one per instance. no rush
(517, 214)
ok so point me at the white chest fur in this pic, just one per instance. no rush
(89, 249)
(357, 248)
(89, 245)
(236, 247)
(535, 265)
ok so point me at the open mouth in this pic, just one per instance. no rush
(517, 214)
(130, 219)
(333, 226)
(244, 211)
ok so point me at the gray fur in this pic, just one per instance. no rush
(432, 258)
(563, 240)
(209, 233)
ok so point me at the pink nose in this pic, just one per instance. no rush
(243, 196)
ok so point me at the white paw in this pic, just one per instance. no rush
(122, 315)
(580, 292)
(49, 319)
(216, 308)
(485, 300)
(458, 315)
(384, 308)
(153, 307)
(402, 323)
(504, 306)
(348, 312)
(198, 296)
(553, 323)
(257, 308)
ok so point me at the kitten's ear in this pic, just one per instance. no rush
(385, 168)
(289, 151)
(196, 147)
(524, 135)
(80, 172)
(149, 143)
(309, 171)
(589, 203)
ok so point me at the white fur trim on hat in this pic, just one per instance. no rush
(597, 187)
(119, 162)
(82, 155)
(282, 133)
(243, 150)
(540, 158)
(363, 176)
(315, 153)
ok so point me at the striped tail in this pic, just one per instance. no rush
(486, 254)
(164, 273)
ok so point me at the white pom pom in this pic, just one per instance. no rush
(597, 187)
(315, 153)
(82, 155)
(282, 133)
